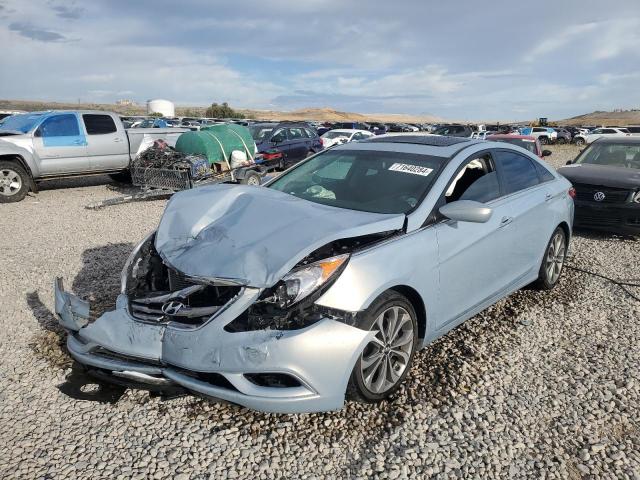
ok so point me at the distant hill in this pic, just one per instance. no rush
(320, 114)
(629, 117)
(330, 115)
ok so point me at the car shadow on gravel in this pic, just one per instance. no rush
(601, 235)
(99, 283)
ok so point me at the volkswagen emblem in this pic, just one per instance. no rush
(599, 196)
(172, 308)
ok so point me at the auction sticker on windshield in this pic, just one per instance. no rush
(414, 169)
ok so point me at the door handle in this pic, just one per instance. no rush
(117, 140)
(77, 142)
(505, 221)
(548, 197)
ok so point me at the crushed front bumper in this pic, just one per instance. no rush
(315, 361)
(616, 218)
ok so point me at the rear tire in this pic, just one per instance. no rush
(561, 141)
(553, 260)
(580, 141)
(121, 177)
(385, 361)
(544, 140)
(14, 182)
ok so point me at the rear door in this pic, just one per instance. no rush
(530, 211)
(300, 143)
(61, 145)
(107, 144)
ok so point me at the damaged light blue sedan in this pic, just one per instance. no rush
(322, 285)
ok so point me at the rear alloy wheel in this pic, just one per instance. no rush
(386, 359)
(580, 142)
(14, 182)
(553, 260)
(561, 141)
(544, 140)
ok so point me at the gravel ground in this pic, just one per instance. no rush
(542, 385)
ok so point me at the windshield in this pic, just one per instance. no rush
(20, 123)
(260, 133)
(615, 155)
(334, 134)
(379, 182)
(521, 142)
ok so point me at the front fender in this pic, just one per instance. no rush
(26, 158)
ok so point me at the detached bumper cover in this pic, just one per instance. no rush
(213, 362)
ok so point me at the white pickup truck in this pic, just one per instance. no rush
(43, 145)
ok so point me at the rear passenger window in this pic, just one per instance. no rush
(544, 174)
(98, 124)
(518, 172)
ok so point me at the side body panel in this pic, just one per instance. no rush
(107, 151)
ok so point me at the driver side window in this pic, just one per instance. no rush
(279, 136)
(478, 181)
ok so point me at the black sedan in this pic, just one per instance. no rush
(606, 177)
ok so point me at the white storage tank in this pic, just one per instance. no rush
(165, 107)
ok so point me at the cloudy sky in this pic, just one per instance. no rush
(463, 60)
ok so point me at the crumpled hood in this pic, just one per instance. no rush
(253, 235)
(604, 175)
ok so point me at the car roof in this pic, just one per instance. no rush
(505, 135)
(433, 145)
(347, 130)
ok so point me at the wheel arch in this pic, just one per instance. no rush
(418, 305)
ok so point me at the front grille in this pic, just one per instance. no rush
(185, 302)
(604, 219)
(586, 193)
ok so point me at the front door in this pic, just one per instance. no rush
(61, 145)
(473, 257)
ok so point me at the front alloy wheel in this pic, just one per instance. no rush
(386, 359)
(13, 182)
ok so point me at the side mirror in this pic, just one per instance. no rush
(37, 133)
(467, 211)
(546, 153)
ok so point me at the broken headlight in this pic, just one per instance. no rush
(636, 197)
(303, 281)
(132, 265)
(288, 305)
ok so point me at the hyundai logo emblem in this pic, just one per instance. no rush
(172, 308)
(599, 196)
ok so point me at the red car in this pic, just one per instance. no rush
(524, 141)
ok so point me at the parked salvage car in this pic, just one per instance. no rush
(42, 145)
(357, 266)
(336, 137)
(606, 176)
(294, 140)
(527, 142)
(593, 135)
(545, 135)
(454, 130)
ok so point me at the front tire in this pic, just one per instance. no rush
(580, 142)
(14, 182)
(553, 260)
(561, 141)
(385, 361)
(544, 140)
